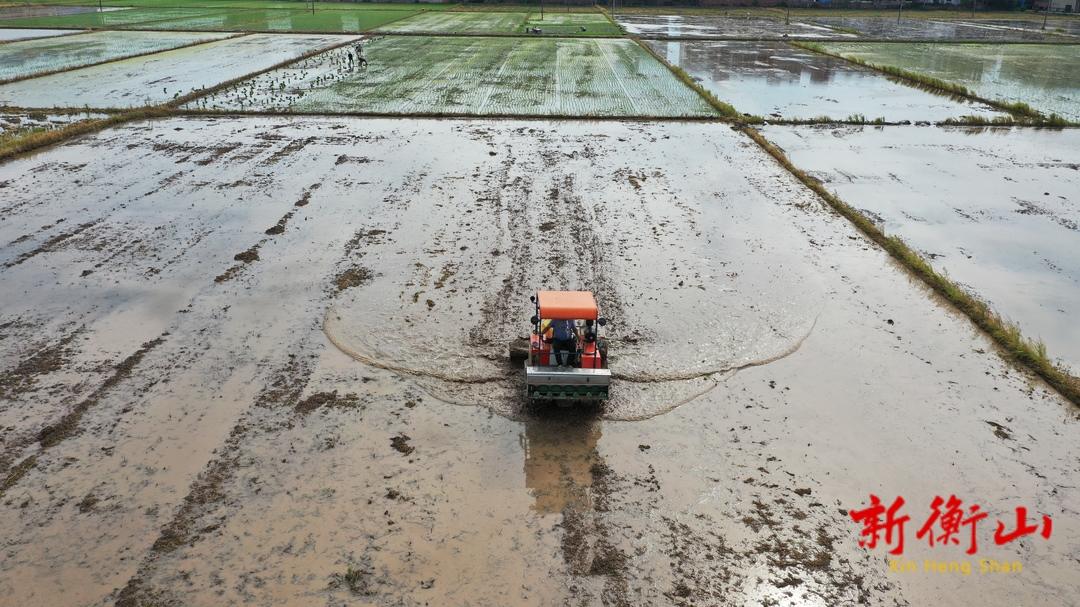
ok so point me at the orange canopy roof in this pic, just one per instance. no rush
(567, 305)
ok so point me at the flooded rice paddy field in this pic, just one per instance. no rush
(1059, 25)
(774, 79)
(26, 58)
(576, 24)
(1004, 221)
(11, 122)
(509, 76)
(1046, 77)
(188, 430)
(16, 12)
(162, 77)
(448, 22)
(944, 29)
(7, 35)
(222, 17)
(278, 20)
(697, 26)
(105, 19)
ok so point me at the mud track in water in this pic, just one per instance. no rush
(229, 453)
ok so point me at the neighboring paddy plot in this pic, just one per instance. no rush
(39, 10)
(26, 58)
(460, 22)
(12, 124)
(887, 28)
(161, 77)
(997, 209)
(25, 34)
(1056, 25)
(1044, 76)
(773, 79)
(486, 76)
(278, 20)
(715, 26)
(107, 19)
(573, 24)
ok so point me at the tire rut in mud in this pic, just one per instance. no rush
(68, 425)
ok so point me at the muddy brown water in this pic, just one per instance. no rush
(243, 458)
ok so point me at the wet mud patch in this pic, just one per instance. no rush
(49, 359)
(691, 293)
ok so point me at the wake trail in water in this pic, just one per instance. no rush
(633, 389)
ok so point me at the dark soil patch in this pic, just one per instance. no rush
(353, 277)
(343, 159)
(401, 444)
(249, 255)
(87, 503)
(279, 227)
(1001, 431)
(327, 399)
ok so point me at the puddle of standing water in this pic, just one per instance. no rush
(778, 80)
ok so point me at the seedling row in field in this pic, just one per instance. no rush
(484, 76)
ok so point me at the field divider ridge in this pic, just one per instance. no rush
(232, 36)
(1024, 352)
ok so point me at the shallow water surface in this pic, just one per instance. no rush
(944, 29)
(774, 79)
(26, 58)
(1047, 77)
(997, 209)
(21, 33)
(696, 26)
(161, 77)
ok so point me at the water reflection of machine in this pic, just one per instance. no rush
(559, 457)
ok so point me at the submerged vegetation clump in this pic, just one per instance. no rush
(1007, 335)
